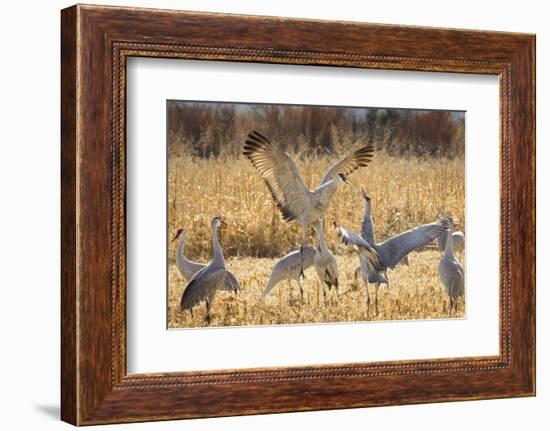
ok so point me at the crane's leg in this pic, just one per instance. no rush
(450, 306)
(336, 288)
(301, 288)
(304, 229)
(376, 297)
(207, 317)
(302, 276)
(289, 292)
(368, 299)
(356, 276)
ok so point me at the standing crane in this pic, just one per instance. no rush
(213, 277)
(451, 273)
(287, 188)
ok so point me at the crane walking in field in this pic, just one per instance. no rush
(213, 277)
(293, 198)
(289, 267)
(325, 262)
(390, 252)
(451, 273)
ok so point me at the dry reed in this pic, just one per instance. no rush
(405, 192)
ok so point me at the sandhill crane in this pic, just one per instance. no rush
(325, 262)
(287, 188)
(371, 276)
(188, 268)
(211, 278)
(451, 273)
(289, 267)
(369, 233)
(390, 252)
(457, 238)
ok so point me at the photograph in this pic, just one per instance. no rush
(304, 214)
(269, 216)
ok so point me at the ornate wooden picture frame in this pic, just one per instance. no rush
(96, 41)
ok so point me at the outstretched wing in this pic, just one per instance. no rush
(280, 174)
(202, 286)
(349, 237)
(350, 163)
(394, 249)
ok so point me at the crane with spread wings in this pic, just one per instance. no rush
(389, 252)
(293, 198)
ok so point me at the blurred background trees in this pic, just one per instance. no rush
(207, 129)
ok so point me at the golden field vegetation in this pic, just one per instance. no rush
(405, 192)
(414, 293)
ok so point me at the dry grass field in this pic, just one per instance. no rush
(405, 192)
(414, 293)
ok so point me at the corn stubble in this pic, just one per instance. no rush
(405, 192)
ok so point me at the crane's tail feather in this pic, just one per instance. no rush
(270, 285)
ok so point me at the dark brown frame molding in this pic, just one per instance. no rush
(95, 43)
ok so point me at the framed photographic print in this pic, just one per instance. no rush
(267, 215)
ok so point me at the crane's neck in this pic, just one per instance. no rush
(180, 259)
(321, 233)
(369, 225)
(218, 253)
(449, 245)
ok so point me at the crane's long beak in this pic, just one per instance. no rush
(177, 236)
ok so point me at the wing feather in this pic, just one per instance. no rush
(397, 247)
(279, 172)
(202, 286)
(231, 283)
(358, 159)
(349, 237)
